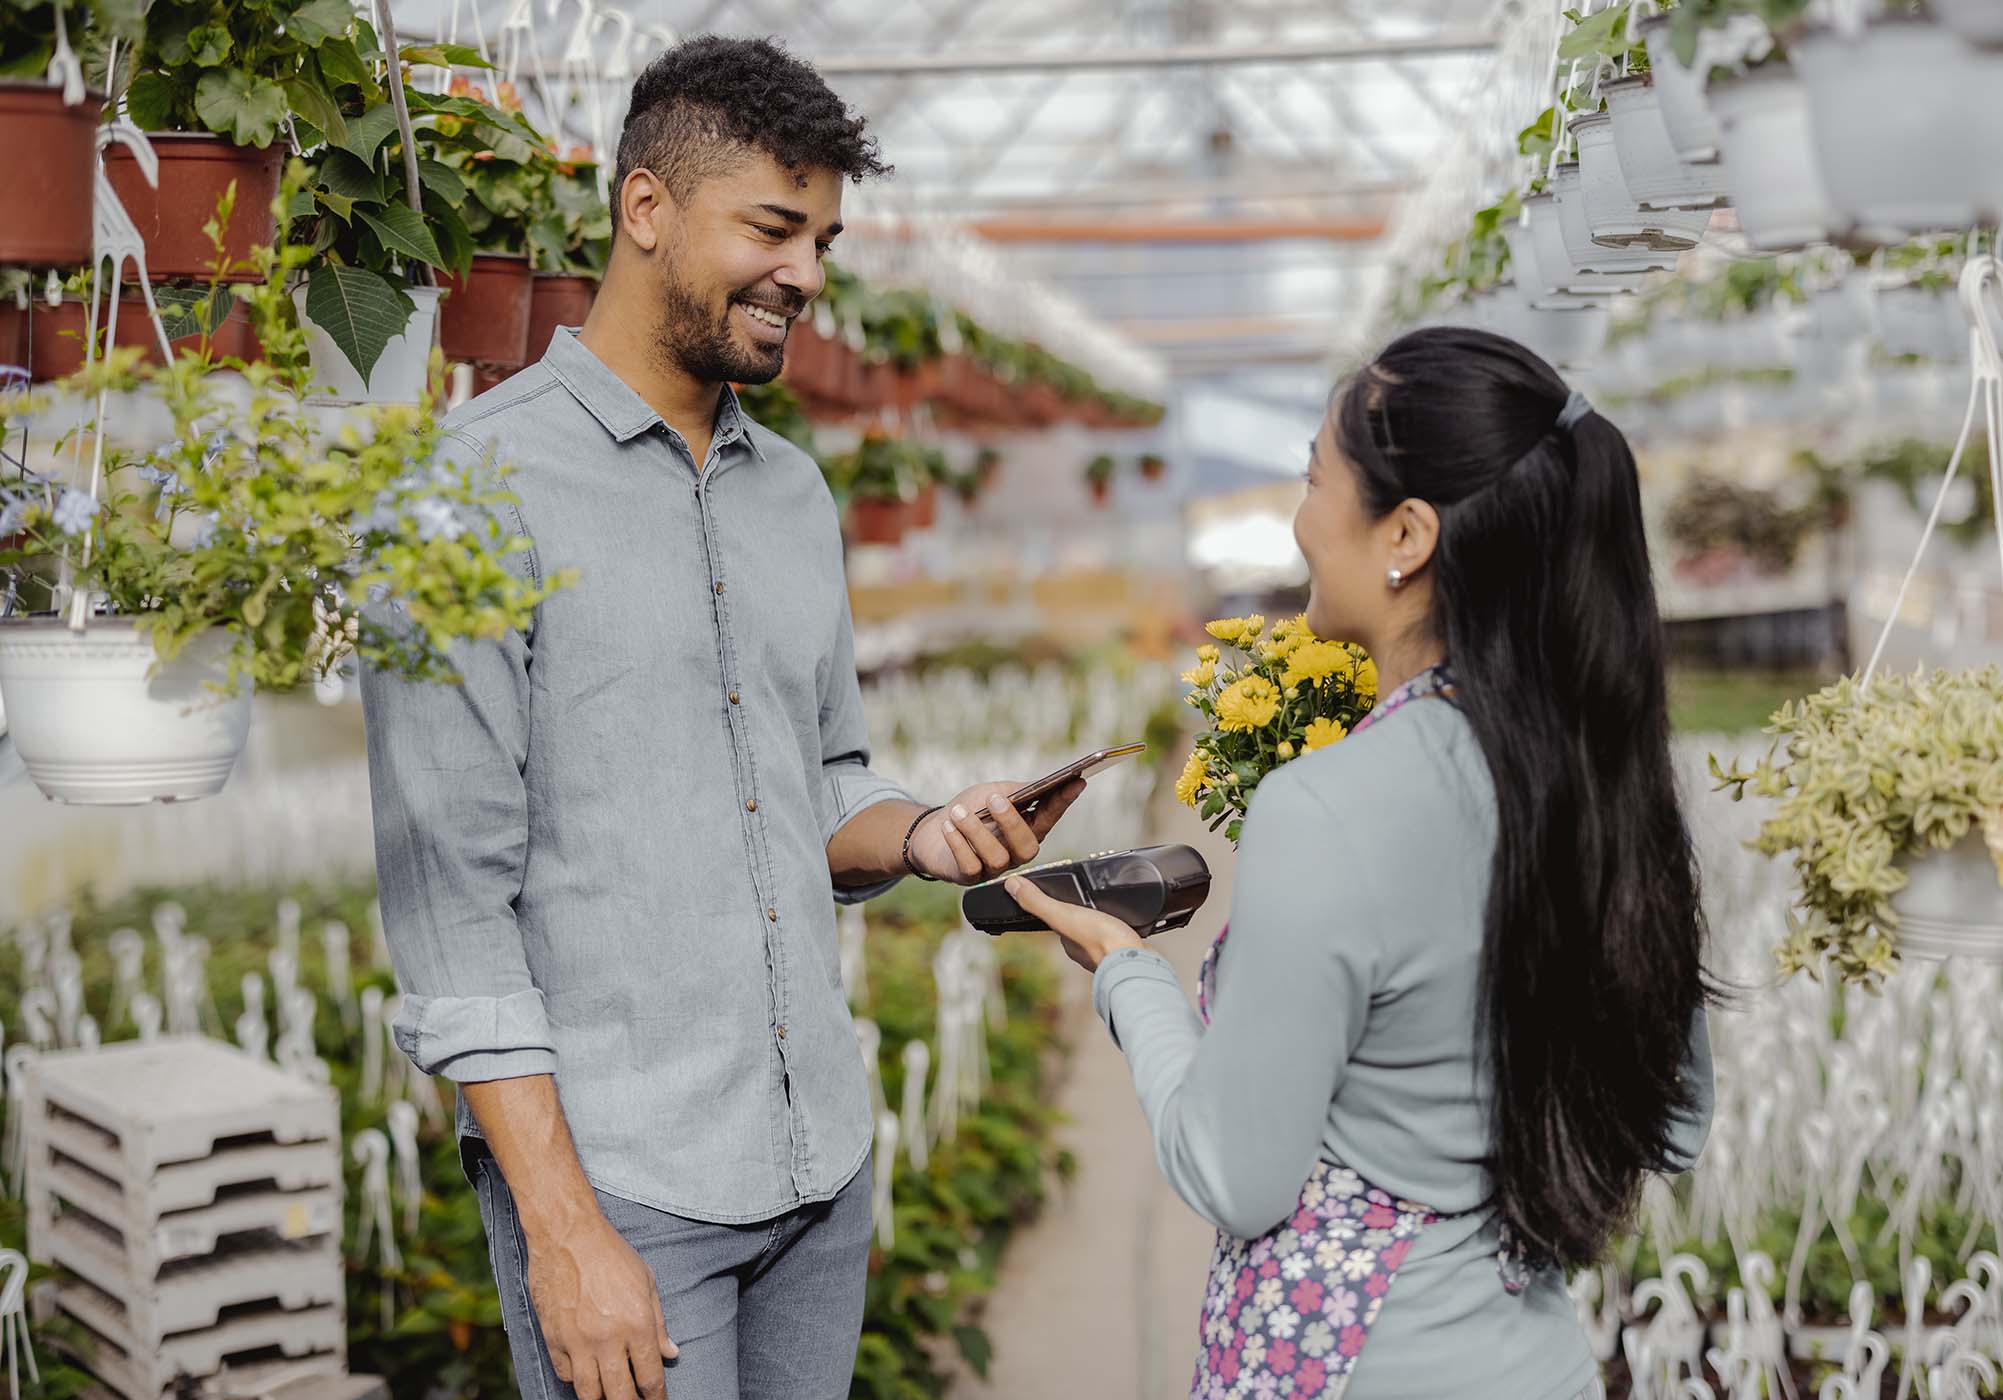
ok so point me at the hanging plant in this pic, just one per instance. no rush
(1868, 777)
(240, 70)
(1099, 473)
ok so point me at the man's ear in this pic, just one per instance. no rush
(642, 198)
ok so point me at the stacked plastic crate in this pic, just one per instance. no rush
(192, 1193)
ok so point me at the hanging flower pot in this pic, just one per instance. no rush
(399, 373)
(13, 339)
(1904, 119)
(195, 169)
(1567, 333)
(1923, 321)
(93, 727)
(48, 166)
(1770, 168)
(1683, 89)
(1153, 466)
(878, 519)
(560, 299)
(1952, 905)
(1655, 175)
(1617, 269)
(484, 319)
(925, 509)
(1612, 213)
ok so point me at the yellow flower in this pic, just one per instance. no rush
(1247, 705)
(1285, 750)
(1322, 733)
(1206, 652)
(1315, 662)
(1201, 675)
(1226, 629)
(1366, 678)
(1194, 780)
(1254, 625)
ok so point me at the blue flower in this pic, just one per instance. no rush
(75, 510)
(13, 511)
(205, 532)
(168, 482)
(436, 518)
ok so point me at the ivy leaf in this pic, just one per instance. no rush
(150, 101)
(444, 56)
(317, 21)
(360, 310)
(403, 231)
(246, 109)
(367, 132)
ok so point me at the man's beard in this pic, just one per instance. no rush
(705, 347)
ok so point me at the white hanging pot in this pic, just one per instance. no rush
(1685, 105)
(1611, 269)
(1841, 312)
(1923, 321)
(1655, 175)
(1526, 263)
(1752, 342)
(1770, 168)
(398, 376)
(1903, 119)
(93, 728)
(1567, 333)
(1976, 21)
(1952, 905)
(1612, 213)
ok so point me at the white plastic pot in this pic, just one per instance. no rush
(93, 728)
(1976, 21)
(1617, 220)
(1656, 176)
(1952, 905)
(1526, 263)
(1923, 321)
(1770, 169)
(1569, 334)
(1614, 269)
(399, 376)
(1903, 119)
(1686, 111)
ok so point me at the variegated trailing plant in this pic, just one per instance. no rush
(1867, 775)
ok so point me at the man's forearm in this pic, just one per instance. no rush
(522, 1122)
(869, 847)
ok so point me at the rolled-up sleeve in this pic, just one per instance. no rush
(847, 784)
(451, 831)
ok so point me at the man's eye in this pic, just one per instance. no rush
(770, 232)
(823, 249)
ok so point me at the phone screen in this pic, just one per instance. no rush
(1031, 795)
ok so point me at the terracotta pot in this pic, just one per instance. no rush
(1102, 492)
(810, 367)
(195, 168)
(47, 168)
(925, 510)
(13, 338)
(57, 337)
(556, 299)
(877, 386)
(1043, 403)
(1152, 468)
(878, 519)
(485, 315)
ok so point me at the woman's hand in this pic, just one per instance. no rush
(1089, 936)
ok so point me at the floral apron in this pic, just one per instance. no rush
(1289, 1312)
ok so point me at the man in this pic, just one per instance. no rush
(606, 857)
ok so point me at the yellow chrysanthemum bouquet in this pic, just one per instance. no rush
(1293, 692)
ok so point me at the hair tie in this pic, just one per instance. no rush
(1577, 406)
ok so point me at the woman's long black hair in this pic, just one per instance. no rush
(1544, 605)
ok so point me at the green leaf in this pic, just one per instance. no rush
(209, 45)
(976, 1347)
(455, 241)
(1603, 33)
(246, 109)
(340, 205)
(444, 55)
(402, 231)
(360, 310)
(441, 179)
(303, 206)
(191, 310)
(367, 132)
(310, 101)
(345, 174)
(340, 61)
(151, 101)
(317, 21)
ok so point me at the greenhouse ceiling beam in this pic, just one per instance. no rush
(1192, 193)
(1358, 230)
(1035, 60)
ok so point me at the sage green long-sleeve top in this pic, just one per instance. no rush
(1343, 1029)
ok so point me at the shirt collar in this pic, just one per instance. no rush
(621, 411)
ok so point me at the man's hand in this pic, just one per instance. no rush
(600, 1314)
(955, 844)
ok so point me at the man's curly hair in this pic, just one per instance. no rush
(700, 103)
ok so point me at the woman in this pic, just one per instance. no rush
(1461, 997)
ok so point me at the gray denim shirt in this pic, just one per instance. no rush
(603, 856)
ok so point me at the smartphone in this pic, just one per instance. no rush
(1027, 798)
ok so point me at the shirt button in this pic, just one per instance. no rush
(733, 697)
(782, 1032)
(719, 585)
(773, 915)
(752, 805)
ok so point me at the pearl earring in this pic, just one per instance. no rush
(1395, 577)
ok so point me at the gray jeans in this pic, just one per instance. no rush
(770, 1311)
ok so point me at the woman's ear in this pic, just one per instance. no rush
(1415, 533)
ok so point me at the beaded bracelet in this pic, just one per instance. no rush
(913, 831)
